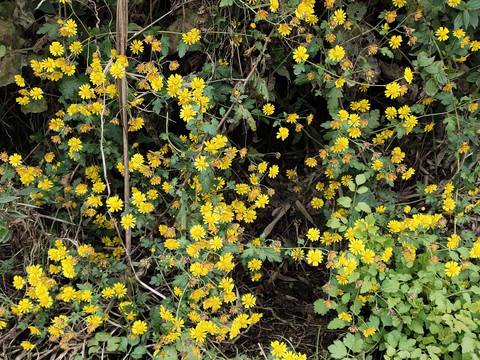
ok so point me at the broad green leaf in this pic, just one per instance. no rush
(468, 343)
(182, 49)
(138, 352)
(336, 324)
(102, 336)
(345, 201)
(362, 190)
(360, 179)
(7, 199)
(338, 350)
(224, 3)
(319, 307)
(361, 206)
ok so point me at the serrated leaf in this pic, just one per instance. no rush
(182, 49)
(319, 307)
(336, 324)
(353, 342)
(338, 349)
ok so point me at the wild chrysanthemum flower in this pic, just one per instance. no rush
(408, 75)
(442, 33)
(300, 54)
(128, 221)
(337, 53)
(282, 133)
(395, 41)
(191, 37)
(136, 47)
(314, 257)
(393, 90)
(268, 109)
(339, 16)
(284, 29)
(452, 269)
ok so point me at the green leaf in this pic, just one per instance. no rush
(473, 5)
(138, 352)
(362, 206)
(353, 342)
(468, 343)
(182, 49)
(333, 223)
(360, 179)
(345, 201)
(336, 324)
(338, 350)
(431, 87)
(170, 353)
(386, 52)
(416, 326)
(3, 50)
(362, 190)
(224, 3)
(7, 199)
(390, 286)
(319, 307)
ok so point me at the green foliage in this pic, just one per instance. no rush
(161, 207)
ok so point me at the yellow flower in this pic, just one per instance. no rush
(454, 3)
(248, 301)
(139, 327)
(341, 144)
(19, 80)
(18, 282)
(278, 349)
(395, 41)
(114, 204)
(191, 37)
(282, 133)
(337, 53)
(314, 257)
(339, 16)
(268, 109)
(284, 30)
(136, 47)
(15, 160)
(273, 171)
(128, 221)
(36, 93)
(300, 54)
(368, 332)
(452, 269)
(408, 75)
(393, 90)
(345, 317)
(201, 163)
(27, 345)
(197, 232)
(313, 234)
(75, 144)
(56, 49)
(442, 33)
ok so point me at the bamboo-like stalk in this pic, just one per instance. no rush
(121, 45)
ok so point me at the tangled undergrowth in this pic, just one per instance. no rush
(246, 179)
